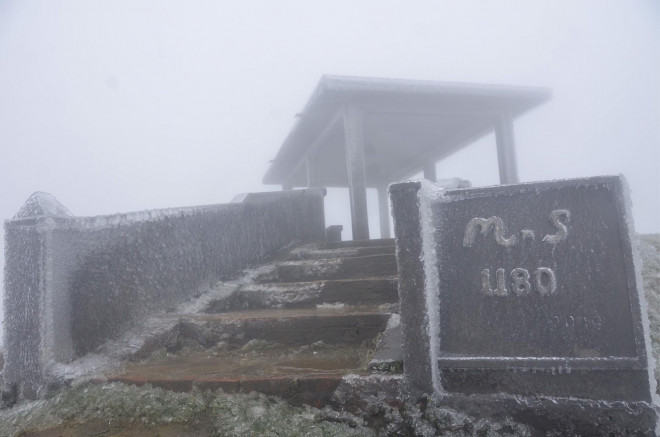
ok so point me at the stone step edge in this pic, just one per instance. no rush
(315, 390)
(280, 314)
(307, 294)
(155, 337)
(360, 243)
(344, 252)
(332, 268)
(210, 329)
(317, 282)
(335, 260)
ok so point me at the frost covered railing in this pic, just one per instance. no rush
(71, 283)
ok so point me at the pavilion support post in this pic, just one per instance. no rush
(429, 171)
(384, 211)
(506, 150)
(357, 184)
(312, 179)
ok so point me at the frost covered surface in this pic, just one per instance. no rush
(483, 340)
(122, 407)
(377, 399)
(118, 407)
(127, 407)
(42, 204)
(139, 340)
(93, 278)
(649, 250)
(638, 265)
(429, 194)
(307, 251)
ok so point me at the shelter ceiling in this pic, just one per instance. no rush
(405, 125)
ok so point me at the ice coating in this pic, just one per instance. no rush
(394, 321)
(557, 320)
(637, 262)
(42, 204)
(572, 327)
(138, 340)
(428, 194)
(72, 283)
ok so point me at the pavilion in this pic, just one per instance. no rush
(364, 133)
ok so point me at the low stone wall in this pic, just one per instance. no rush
(527, 300)
(72, 283)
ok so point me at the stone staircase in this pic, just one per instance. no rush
(293, 328)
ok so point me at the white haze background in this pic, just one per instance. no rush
(116, 106)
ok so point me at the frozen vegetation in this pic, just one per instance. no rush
(120, 410)
(114, 408)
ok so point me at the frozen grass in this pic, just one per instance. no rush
(121, 407)
(120, 410)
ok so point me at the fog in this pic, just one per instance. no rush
(116, 106)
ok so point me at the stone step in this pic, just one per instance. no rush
(332, 324)
(299, 355)
(299, 374)
(325, 269)
(368, 291)
(318, 251)
(293, 329)
(360, 243)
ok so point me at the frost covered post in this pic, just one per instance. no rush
(31, 311)
(527, 290)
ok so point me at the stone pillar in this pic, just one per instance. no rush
(418, 365)
(384, 211)
(333, 233)
(357, 185)
(429, 171)
(506, 150)
(312, 177)
(37, 328)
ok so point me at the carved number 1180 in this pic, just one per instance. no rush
(544, 281)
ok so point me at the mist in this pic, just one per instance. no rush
(131, 105)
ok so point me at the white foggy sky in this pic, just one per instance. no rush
(115, 106)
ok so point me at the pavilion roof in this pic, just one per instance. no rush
(406, 123)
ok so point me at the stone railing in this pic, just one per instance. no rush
(72, 283)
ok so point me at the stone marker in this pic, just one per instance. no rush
(527, 289)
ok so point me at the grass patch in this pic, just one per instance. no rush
(114, 408)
